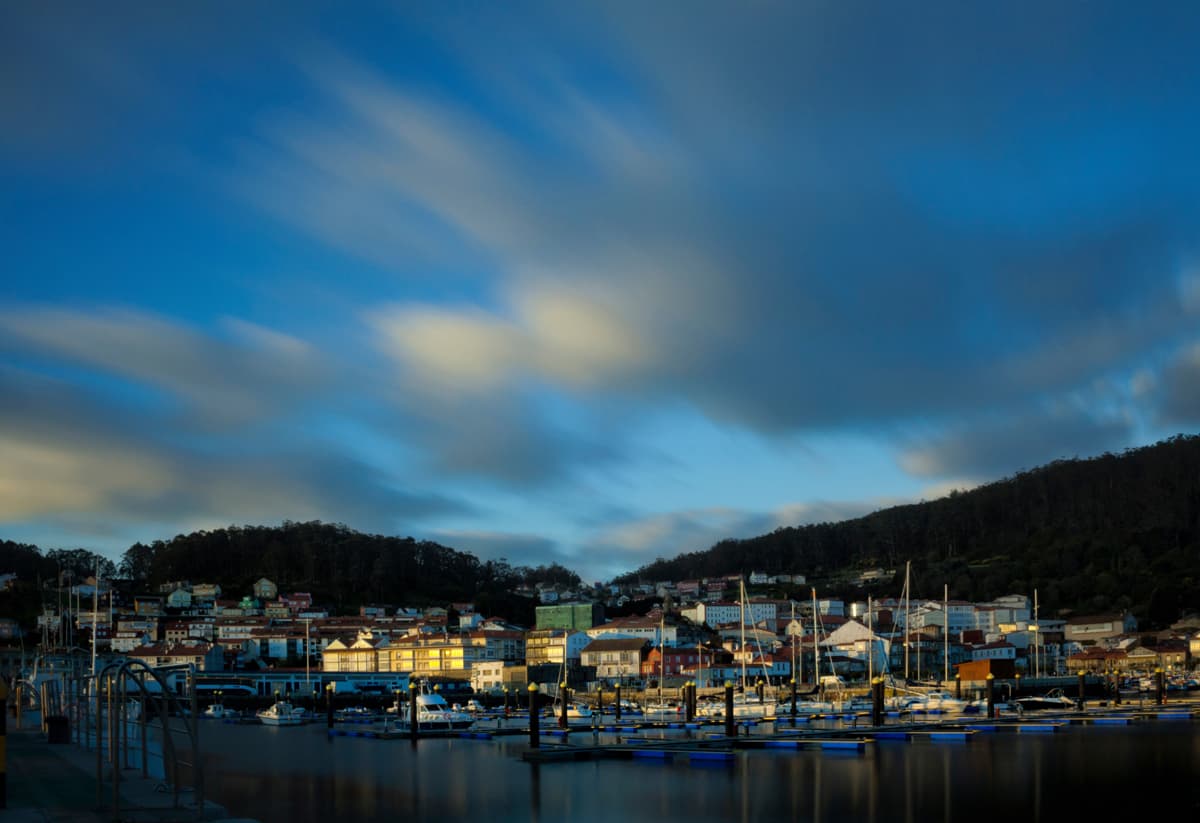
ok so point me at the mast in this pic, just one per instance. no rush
(792, 639)
(870, 651)
(1036, 627)
(742, 585)
(907, 625)
(662, 651)
(816, 647)
(946, 649)
(95, 612)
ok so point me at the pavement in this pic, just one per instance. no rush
(57, 782)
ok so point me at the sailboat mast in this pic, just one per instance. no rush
(870, 654)
(742, 584)
(946, 649)
(907, 625)
(816, 646)
(792, 639)
(95, 612)
(1036, 628)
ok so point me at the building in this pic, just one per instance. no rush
(356, 654)
(578, 616)
(1091, 628)
(265, 590)
(615, 659)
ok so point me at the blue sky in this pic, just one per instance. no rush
(582, 283)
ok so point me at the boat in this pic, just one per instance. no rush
(433, 713)
(281, 713)
(1053, 699)
(935, 702)
(355, 714)
(217, 711)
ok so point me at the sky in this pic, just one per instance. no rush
(585, 283)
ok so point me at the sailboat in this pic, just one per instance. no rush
(661, 706)
(747, 705)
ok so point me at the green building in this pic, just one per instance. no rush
(578, 616)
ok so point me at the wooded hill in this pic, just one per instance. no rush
(1119, 531)
(340, 567)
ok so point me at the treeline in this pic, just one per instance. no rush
(339, 566)
(1119, 531)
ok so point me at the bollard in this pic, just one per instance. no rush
(730, 725)
(617, 703)
(793, 701)
(1159, 687)
(534, 742)
(957, 686)
(991, 696)
(600, 702)
(412, 713)
(1081, 678)
(1117, 686)
(329, 705)
(877, 702)
(565, 694)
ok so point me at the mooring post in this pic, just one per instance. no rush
(1160, 686)
(1117, 686)
(562, 712)
(412, 712)
(329, 705)
(991, 696)
(534, 741)
(617, 703)
(730, 725)
(877, 702)
(957, 686)
(1081, 684)
(793, 701)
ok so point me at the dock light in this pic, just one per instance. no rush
(412, 687)
(728, 684)
(533, 687)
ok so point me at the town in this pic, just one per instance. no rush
(705, 632)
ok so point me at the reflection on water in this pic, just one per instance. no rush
(299, 775)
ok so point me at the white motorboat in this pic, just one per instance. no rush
(217, 711)
(433, 713)
(281, 713)
(934, 703)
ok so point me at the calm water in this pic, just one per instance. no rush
(1103, 772)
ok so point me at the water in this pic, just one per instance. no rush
(1103, 772)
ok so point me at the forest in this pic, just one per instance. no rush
(1118, 531)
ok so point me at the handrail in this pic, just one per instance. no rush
(115, 678)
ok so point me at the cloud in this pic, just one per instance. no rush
(1006, 445)
(255, 372)
(71, 457)
(1178, 392)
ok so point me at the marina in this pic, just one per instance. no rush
(817, 766)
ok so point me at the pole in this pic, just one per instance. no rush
(730, 726)
(562, 716)
(307, 677)
(877, 702)
(991, 696)
(617, 702)
(412, 712)
(1161, 696)
(534, 741)
(1081, 677)
(793, 701)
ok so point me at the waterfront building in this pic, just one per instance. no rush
(616, 659)
(356, 654)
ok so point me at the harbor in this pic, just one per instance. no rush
(362, 767)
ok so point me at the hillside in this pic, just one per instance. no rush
(1115, 531)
